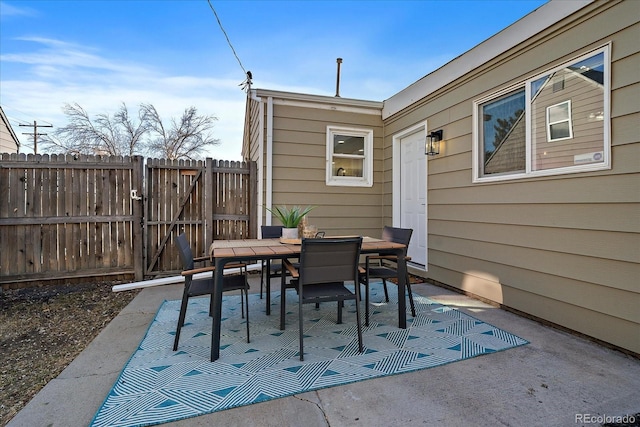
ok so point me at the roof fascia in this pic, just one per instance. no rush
(318, 101)
(518, 32)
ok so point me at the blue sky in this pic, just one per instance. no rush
(174, 54)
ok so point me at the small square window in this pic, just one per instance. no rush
(349, 156)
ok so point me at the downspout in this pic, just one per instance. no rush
(260, 160)
(382, 209)
(269, 169)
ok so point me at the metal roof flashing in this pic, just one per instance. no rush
(531, 24)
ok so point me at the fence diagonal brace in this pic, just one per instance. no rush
(173, 223)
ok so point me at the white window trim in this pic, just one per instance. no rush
(567, 120)
(529, 173)
(367, 174)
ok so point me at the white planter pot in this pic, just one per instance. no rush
(290, 233)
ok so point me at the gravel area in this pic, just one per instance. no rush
(42, 329)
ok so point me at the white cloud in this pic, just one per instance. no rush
(7, 10)
(63, 73)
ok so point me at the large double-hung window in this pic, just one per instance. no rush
(553, 123)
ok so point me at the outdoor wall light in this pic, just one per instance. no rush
(432, 144)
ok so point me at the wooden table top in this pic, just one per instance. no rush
(274, 248)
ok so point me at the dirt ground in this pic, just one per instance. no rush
(43, 329)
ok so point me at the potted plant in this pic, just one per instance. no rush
(290, 218)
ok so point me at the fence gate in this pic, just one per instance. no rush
(206, 200)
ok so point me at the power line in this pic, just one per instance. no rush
(227, 37)
(8, 110)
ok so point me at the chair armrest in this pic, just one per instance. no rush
(230, 265)
(388, 257)
(235, 265)
(381, 258)
(361, 270)
(292, 270)
(198, 270)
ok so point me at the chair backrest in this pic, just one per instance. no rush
(397, 235)
(185, 252)
(329, 260)
(271, 231)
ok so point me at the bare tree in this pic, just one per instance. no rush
(504, 127)
(134, 131)
(182, 140)
(124, 135)
(119, 135)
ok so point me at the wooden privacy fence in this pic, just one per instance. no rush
(97, 217)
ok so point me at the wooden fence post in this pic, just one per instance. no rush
(209, 195)
(137, 180)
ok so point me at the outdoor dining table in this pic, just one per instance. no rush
(227, 251)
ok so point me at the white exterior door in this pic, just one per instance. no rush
(413, 194)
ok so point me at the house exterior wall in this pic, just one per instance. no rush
(296, 165)
(255, 146)
(251, 140)
(7, 145)
(8, 139)
(564, 248)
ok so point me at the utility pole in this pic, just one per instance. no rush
(36, 134)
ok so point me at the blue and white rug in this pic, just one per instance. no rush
(159, 385)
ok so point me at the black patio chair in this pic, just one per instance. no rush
(385, 267)
(204, 286)
(325, 266)
(269, 269)
(274, 269)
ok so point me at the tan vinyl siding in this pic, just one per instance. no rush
(299, 161)
(253, 148)
(6, 143)
(8, 139)
(564, 248)
(612, 329)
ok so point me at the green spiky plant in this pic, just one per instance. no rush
(290, 217)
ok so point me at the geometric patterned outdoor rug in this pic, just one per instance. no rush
(158, 385)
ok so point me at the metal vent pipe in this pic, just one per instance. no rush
(339, 61)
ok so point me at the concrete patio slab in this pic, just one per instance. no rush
(557, 380)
